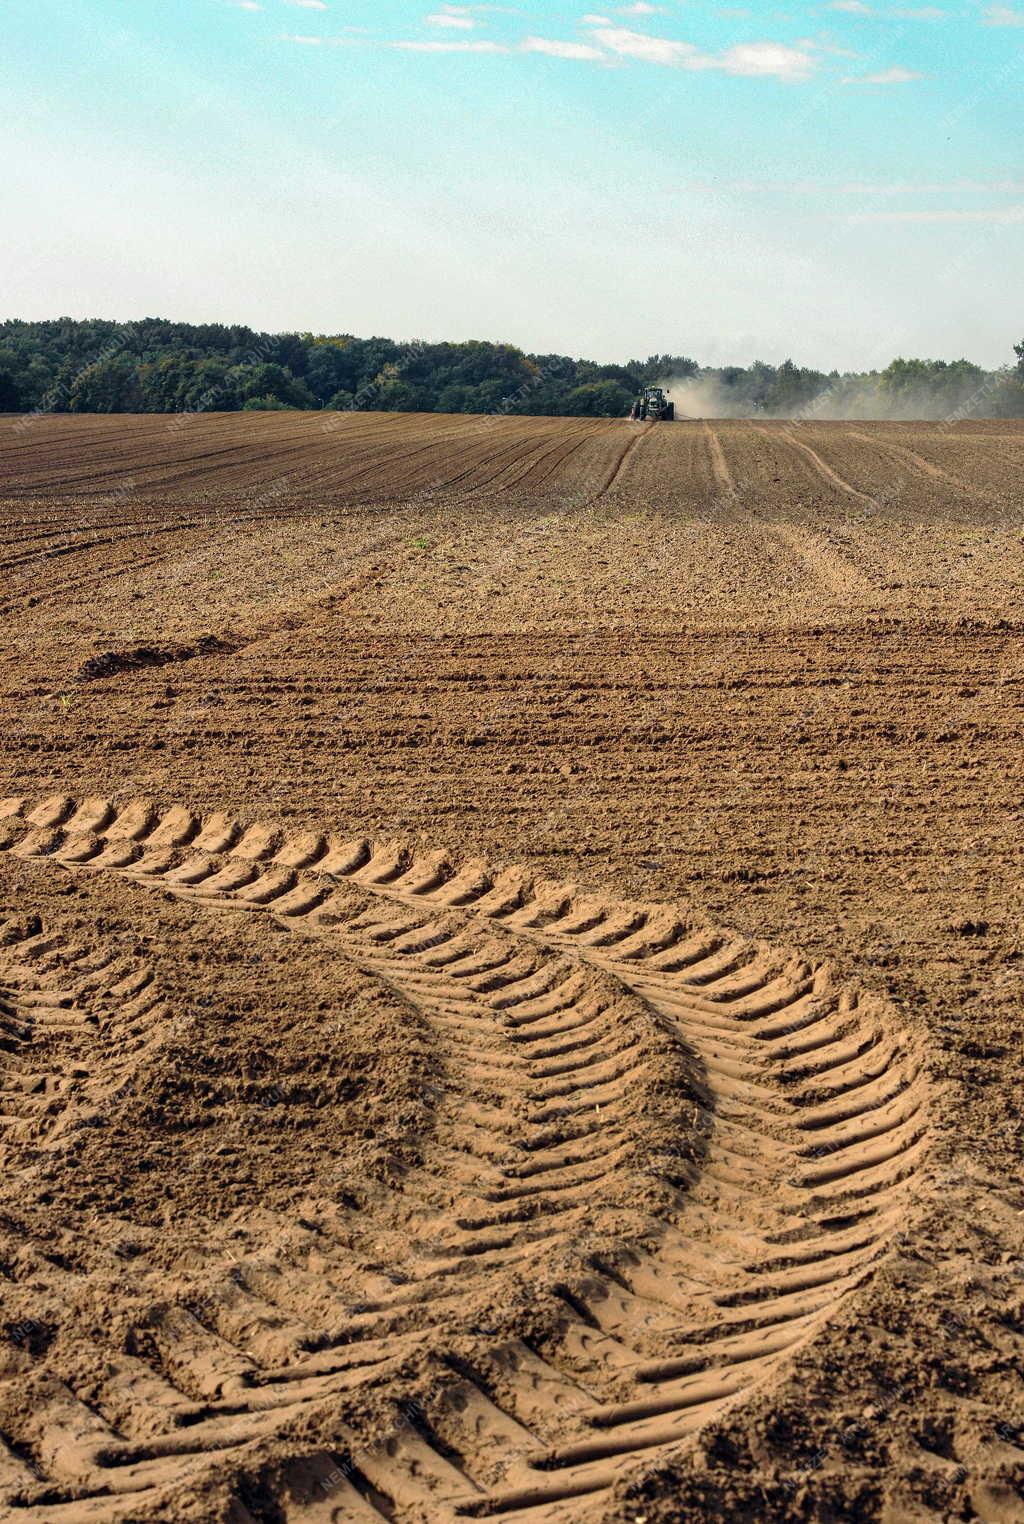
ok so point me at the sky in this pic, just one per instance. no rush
(836, 182)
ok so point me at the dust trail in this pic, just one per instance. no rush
(703, 397)
(734, 392)
(719, 464)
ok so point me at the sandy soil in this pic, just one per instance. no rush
(510, 970)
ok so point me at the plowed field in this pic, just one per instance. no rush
(511, 960)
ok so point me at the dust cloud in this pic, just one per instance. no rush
(716, 394)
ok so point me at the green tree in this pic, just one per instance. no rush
(453, 399)
(598, 399)
(271, 380)
(330, 368)
(10, 396)
(1007, 396)
(109, 386)
(158, 365)
(791, 388)
(396, 395)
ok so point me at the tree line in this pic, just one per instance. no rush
(157, 366)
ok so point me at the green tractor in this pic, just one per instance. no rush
(654, 405)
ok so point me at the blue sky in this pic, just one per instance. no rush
(837, 182)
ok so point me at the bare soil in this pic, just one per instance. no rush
(511, 959)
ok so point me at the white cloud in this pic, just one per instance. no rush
(884, 77)
(824, 45)
(448, 47)
(765, 60)
(1009, 214)
(597, 21)
(406, 46)
(246, 5)
(906, 13)
(859, 187)
(555, 49)
(447, 18)
(640, 8)
(1002, 15)
(658, 50)
(308, 5)
(754, 60)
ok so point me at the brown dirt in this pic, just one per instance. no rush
(388, 1128)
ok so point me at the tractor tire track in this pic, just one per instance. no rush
(824, 470)
(799, 1117)
(624, 459)
(719, 465)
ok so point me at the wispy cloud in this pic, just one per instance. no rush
(308, 5)
(410, 46)
(452, 16)
(555, 49)
(901, 13)
(1008, 214)
(607, 44)
(640, 8)
(1003, 15)
(752, 59)
(765, 60)
(884, 77)
(825, 45)
(657, 50)
(448, 47)
(858, 187)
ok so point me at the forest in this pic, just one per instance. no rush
(157, 366)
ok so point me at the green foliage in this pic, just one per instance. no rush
(790, 388)
(397, 396)
(270, 382)
(330, 370)
(10, 396)
(109, 386)
(657, 368)
(948, 383)
(605, 399)
(1006, 399)
(156, 366)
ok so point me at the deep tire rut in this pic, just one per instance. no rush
(759, 1128)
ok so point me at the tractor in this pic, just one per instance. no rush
(653, 404)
